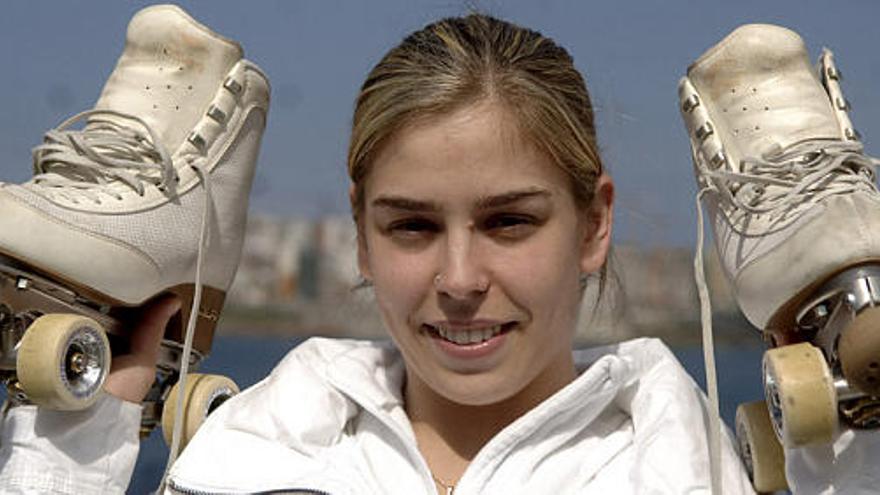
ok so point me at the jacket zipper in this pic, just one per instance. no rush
(288, 491)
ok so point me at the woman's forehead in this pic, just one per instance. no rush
(475, 147)
(487, 119)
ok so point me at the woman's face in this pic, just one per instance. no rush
(475, 246)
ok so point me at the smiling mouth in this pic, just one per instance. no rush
(466, 337)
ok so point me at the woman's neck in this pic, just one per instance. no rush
(450, 434)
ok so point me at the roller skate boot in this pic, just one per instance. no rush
(795, 211)
(145, 195)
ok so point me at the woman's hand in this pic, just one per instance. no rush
(132, 375)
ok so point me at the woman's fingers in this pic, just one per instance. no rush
(132, 375)
(147, 337)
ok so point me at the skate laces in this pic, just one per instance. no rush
(776, 186)
(806, 173)
(204, 241)
(708, 354)
(88, 162)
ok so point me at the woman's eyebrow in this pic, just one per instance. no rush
(511, 197)
(402, 203)
(494, 201)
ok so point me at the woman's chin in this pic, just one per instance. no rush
(477, 389)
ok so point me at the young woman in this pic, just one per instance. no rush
(483, 210)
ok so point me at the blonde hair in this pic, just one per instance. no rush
(460, 61)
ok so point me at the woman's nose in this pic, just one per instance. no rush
(462, 273)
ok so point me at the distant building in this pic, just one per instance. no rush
(295, 236)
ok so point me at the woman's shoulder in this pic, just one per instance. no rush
(318, 354)
(295, 416)
(639, 357)
(667, 412)
(306, 383)
(648, 373)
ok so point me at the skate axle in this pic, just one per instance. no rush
(77, 363)
(85, 364)
(845, 392)
(15, 396)
(862, 413)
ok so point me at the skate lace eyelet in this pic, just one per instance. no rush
(811, 157)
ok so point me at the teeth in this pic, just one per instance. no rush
(465, 337)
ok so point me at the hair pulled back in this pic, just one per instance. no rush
(461, 61)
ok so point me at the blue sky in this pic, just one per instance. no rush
(56, 56)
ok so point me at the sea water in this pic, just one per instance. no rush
(248, 359)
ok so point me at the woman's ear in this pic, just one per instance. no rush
(362, 259)
(598, 219)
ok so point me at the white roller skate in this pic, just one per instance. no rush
(146, 196)
(796, 217)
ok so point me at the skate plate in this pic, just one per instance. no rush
(823, 367)
(57, 340)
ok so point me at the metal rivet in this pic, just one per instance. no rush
(852, 134)
(833, 73)
(690, 103)
(232, 85)
(718, 159)
(215, 113)
(704, 131)
(196, 140)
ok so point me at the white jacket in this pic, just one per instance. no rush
(329, 419)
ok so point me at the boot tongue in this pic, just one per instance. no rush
(168, 73)
(762, 93)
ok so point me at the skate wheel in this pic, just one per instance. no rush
(859, 351)
(63, 360)
(760, 449)
(800, 395)
(203, 394)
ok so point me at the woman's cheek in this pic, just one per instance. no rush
(400, 284)
(541, 271)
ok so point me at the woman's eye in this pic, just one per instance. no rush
(412, 228)
(510, 225)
